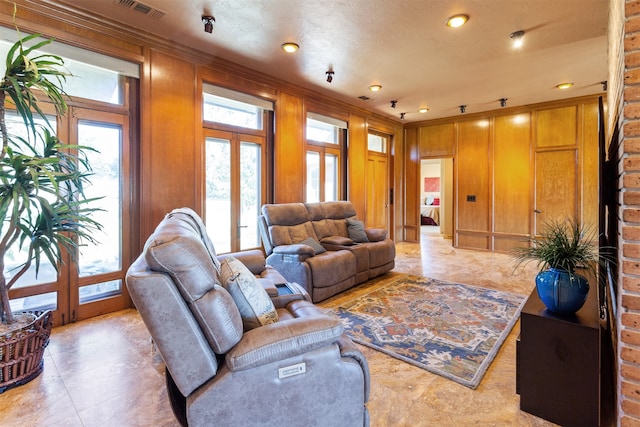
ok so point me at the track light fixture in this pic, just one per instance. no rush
(208, 23)
(463, 108)
(329, 74)
(393, 103)
(604, 85)
(503, 102)
(402, 116)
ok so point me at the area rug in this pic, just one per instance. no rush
(449, 329)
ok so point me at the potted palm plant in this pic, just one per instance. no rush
(43, 210)
(562, 247)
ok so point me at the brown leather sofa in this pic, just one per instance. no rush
(323, 246)
(285, 363)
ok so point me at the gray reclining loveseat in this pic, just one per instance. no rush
(234, 356)
(323, 246)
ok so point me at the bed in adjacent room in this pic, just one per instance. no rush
(430, 212)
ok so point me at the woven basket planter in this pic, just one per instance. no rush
(22, 351)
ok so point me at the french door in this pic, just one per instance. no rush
(91, 282)
(377, 191)
(234, 188)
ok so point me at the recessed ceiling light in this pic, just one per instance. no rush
(518, 38)
(375, 88)
(457, 20)
(564, 85)
(423, 110)
(290, 47)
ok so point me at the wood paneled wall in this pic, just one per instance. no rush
(289, 153)
(169, 158)
(411, 211)
(513, 170)
(170, 140)
(472, 184)
(357, 162)
(511, 178)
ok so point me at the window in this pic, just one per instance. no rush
(326, 138)
(92, 76)
(93, 83)
(235, 173)
(322, 132)
(227, 111)
(92, 282)
(377, 142)
(95, 283)
(228, 107)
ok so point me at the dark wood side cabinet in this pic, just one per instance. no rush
(558, 362)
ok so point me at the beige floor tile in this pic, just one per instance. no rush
(101, 372)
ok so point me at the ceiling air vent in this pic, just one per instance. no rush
(364, 98)
(141, 8)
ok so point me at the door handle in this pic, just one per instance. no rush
(537, 211)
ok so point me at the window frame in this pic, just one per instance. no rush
(324, 148)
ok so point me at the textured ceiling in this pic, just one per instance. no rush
(404, 45)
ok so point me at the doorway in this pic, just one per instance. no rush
(235, 188)
(91, 281)
(436, 197)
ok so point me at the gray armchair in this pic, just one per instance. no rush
(296, 368)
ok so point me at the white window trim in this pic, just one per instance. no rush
(237, 96)
(326, 119)
(96, 59)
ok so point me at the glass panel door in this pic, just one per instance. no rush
(97, 285)
(234, 188)
(250, 194)
(330, 177)
(31, 291)
(218, 191)
(313, 177)
(106, 254)
(94, 285)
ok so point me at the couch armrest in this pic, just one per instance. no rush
(253, 259)
(337, 240)
(376, 234)
(268, 286)
(296, 249)
(348, 349)
(281, 340)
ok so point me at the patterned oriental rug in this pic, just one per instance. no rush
(449, 329)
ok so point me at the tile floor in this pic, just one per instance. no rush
(102, 372)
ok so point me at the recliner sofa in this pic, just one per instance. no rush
(323, 246)
(291, 367)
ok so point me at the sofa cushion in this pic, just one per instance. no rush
(324, 228)
(255, 306)
(177, 249)
(317, 247)
(332, 267)
(285, 214)
(376, 234)
(194, 219)
(356, 231)
(219, 319)
(290, 234)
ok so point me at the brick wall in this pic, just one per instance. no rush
(624, 110)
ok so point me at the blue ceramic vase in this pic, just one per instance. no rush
(561, 291)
